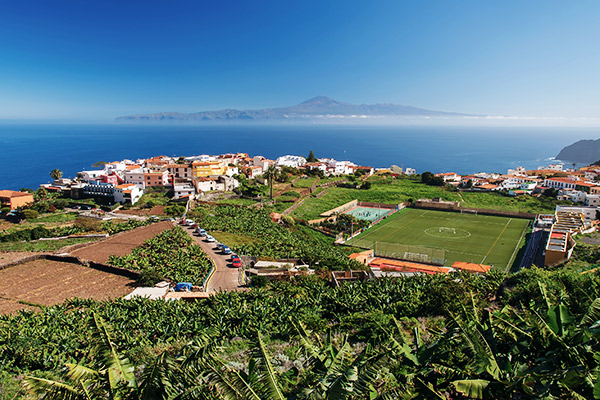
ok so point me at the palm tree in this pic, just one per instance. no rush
(56, 174)
(270, 174)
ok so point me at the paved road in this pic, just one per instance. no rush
(225, 277)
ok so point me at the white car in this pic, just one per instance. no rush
(210, 238)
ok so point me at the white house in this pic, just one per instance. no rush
(410, 171)
(127, 193)
(518, 171)
(341, 167)
(576, 196)
(290, 161)
(592, 200)
(87, 176)
(560, 183)
(183, 189)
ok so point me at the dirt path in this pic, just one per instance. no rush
(226, 277)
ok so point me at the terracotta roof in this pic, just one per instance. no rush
(405, 266)
(471, 267)
(124, 186)
(12, 193)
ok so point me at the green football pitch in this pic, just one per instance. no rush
(427, 235)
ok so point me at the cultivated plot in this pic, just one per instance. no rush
(427, 236)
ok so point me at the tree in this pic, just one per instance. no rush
(56, 174)
(311, 157)
(181, 160)
(269, 175)
(41, 194)
(30, 214)
(470, 183)
(426, 177)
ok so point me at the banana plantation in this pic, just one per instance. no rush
(533, 334)
(269, 240)
(169, 255)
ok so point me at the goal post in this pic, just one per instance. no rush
(474, 212)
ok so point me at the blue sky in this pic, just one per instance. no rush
(100, 59)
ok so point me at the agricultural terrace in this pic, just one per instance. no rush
(170, 255)
(391, 190)
(480, 239)
(44, 283)
(250, 231)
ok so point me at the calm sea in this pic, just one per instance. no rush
(29, 152)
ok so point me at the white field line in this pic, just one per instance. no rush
(515, 250)
(498, 238)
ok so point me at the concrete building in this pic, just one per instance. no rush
(410, 171)
(182, 189)
(156, 178)
(127, 193)
(87, 176)
(96, 188)
(136, 177)
(12, 199)
(179, 170)
(290, 161)
(208, 168)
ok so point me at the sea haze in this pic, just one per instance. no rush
(30, 151)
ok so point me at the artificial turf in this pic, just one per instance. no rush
(481, 239)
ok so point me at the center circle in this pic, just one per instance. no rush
(444, 232)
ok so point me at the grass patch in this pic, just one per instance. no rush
(394, 191)
(237, 202)
(234, 239)
(58, 217)
(305, 182)
(42, 245)
(464, 237)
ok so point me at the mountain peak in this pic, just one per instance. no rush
(321, 101)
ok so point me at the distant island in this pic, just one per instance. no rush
(583, 151)
(317, 108)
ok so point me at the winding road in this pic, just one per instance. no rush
(225, 277)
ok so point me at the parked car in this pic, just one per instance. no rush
(189, 222)
(200, 231)
(226, 250)
(210, 238)
(220, 246)
(195, 226)
(237, 263)
(234, 256)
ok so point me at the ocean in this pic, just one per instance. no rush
(29, 151)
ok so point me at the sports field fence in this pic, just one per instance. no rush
(422, 254)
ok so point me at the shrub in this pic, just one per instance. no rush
(5, 210)
(88, 224)
(149, 277)
(258, 281)
(30, 214)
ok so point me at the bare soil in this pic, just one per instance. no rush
(10, 256)
(120, 244)
(46, 282)
(157, 210)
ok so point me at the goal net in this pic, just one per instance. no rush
(427, 255)
(474, 212)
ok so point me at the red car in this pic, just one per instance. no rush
(237, 263)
